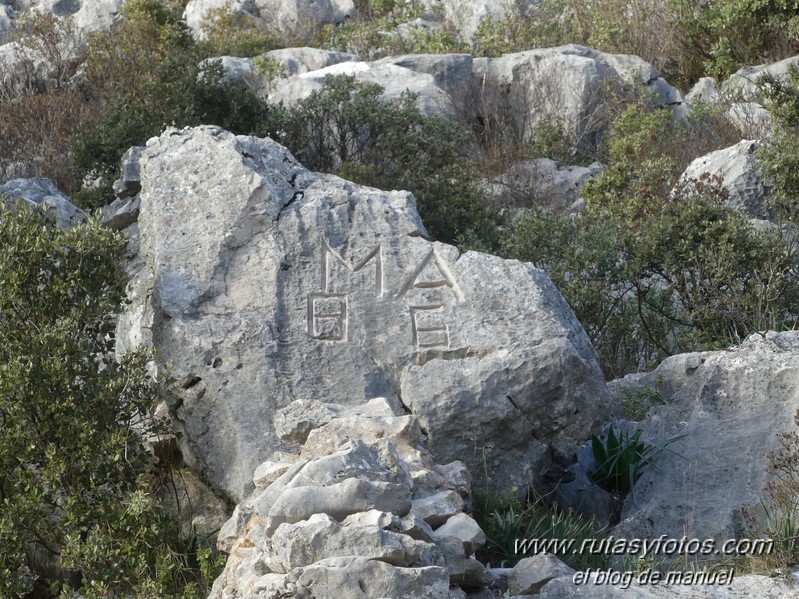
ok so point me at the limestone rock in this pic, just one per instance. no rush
(362, 578)
(717, 400)
(264, 283)
(706, 90)
(437, 509)
(301, 19)
(296, 61)
(320, 537)
(541, 183)
(465, 529)
(741, 587)
(561, 86)
(530, 575)
(466, 15)
(743, 84)
(737, 168)
(196, 12)
(43, 194)
(395, 81)
(310, 528)
(751, 119)
(338, 501)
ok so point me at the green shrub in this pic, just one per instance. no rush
(374, 33)
(550, 23)
(231, 33)
(146, 75)
(346, 128)
(779, 156)
(71, 460)
(717, 38)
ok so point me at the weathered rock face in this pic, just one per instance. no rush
(521, 91)
(731, 405)
(740, 587)
(736, 166)
(542, 182)
(295, 61)
(562, 86)
(352, 518)
(743, 83)
(264, 283)
(42, 193)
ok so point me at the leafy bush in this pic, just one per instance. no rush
(146, 75)
(76, 503)
(779, 156)
(717, 38)
(622, 458)
(346, 128)
(231, 33)
(375, 32)
(550, 23)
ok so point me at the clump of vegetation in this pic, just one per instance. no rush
(76, 502)
(652, 267)
(377, 31)
(232, 33)
(146, 74)
(346, 128)
(779, 156)
(621, 459)
(507, 521)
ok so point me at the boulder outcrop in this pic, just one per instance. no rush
(731, 405)
(736, 169)
(264, 283)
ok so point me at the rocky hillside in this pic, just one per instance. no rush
(364, 299)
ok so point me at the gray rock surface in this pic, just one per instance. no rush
(264, 283)
(530, 575)
(741, 587)
(560, 86)
(466, 15)
(43, 194)
(705, 90)
(395, 81)
(743, 84)
(543, 182)
(731, 405)
(737, 168)
(301, 19)
(296, 61)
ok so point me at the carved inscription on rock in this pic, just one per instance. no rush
(425, 291)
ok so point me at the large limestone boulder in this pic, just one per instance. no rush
(561, 86)
(731, 405)
(299, 19)
(264, 283)
(541, 183)
(736, 169)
